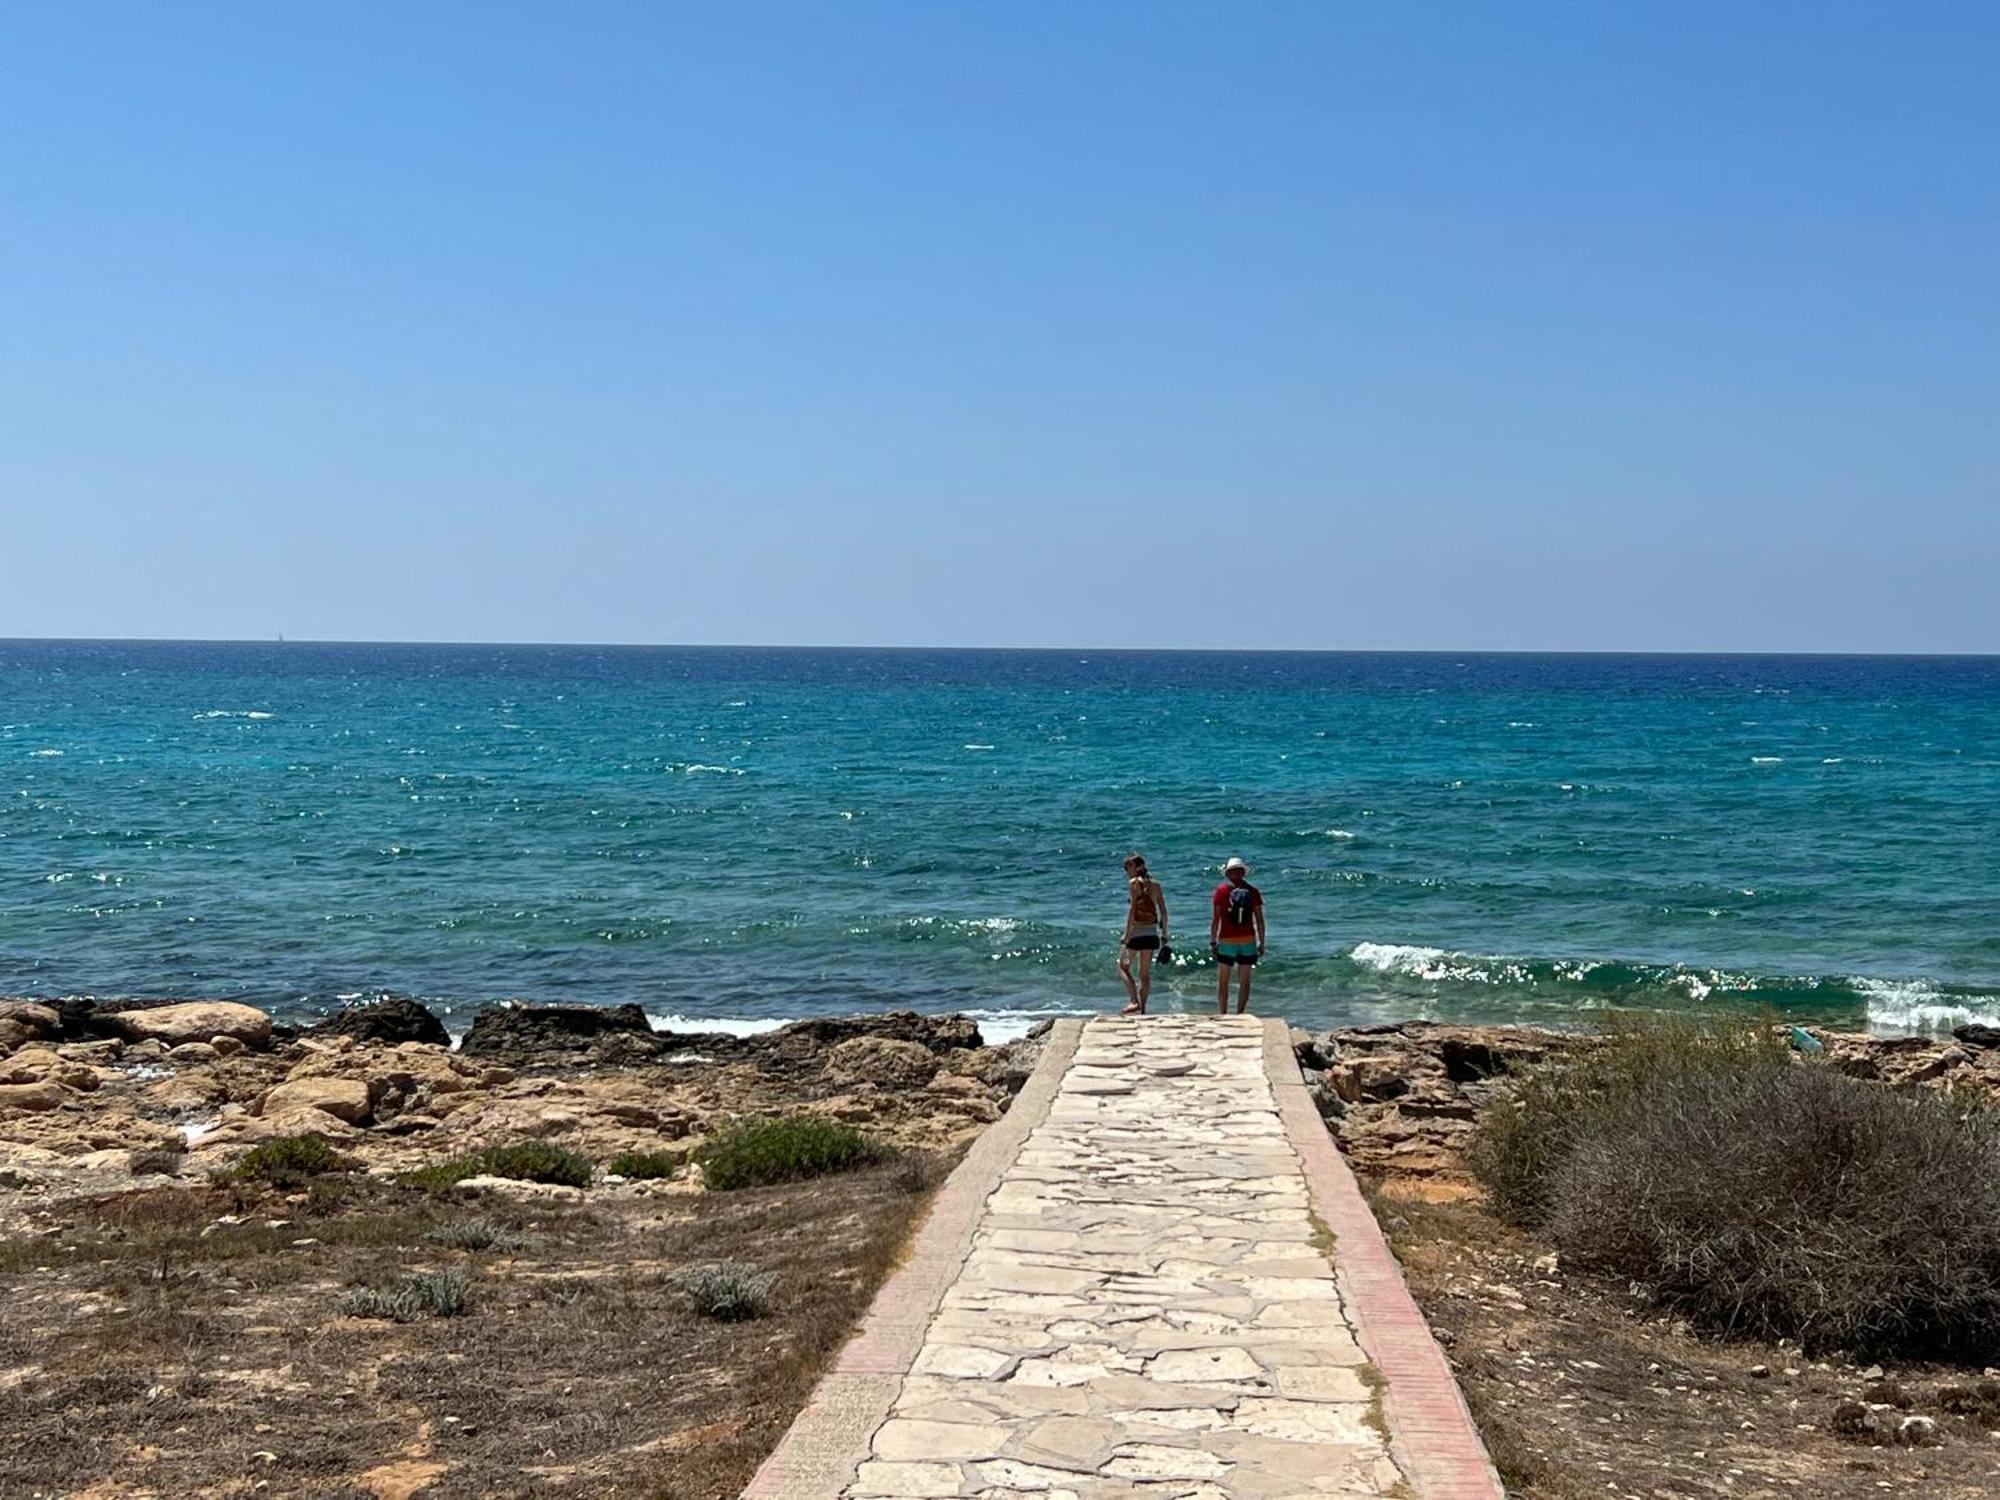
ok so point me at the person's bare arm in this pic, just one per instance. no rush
(1160, 901)
(1260, 927)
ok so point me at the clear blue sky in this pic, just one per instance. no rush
(1423, 325)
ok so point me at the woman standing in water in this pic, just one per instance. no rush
(1145, 932)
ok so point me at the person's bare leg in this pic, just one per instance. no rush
(1222, 988)
(1243, 989)
(1133, 1005)
(1145, 979)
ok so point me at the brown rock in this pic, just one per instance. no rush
(1377, 1078)
(31, 1097)
(195, 1021)
(408, 1076)
(1005, 1068)
(22, 1022)
(1935, 1066)
(197, 1088)
(344, 1098)
(631, 1114)
(98, 1053)
(43, 1020)
(974, 1107)
(187, 1054)
(937, 1033)
(884, 1061)
(29, 1065)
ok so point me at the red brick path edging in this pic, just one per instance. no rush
(1431, 1434)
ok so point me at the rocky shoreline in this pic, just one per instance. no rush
(99, 1097)
(1401, 1099)
(93, 1094)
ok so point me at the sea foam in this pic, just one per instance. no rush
(717, 1025)
(1919, 1005)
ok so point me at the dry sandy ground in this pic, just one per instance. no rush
(187, 1340)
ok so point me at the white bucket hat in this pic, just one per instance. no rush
(1235, 863)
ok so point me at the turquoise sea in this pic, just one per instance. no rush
(730, 836)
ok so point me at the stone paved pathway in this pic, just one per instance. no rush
(1148, 1309)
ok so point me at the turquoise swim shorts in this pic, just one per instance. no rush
(1236, 953)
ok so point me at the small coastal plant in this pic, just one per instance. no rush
(434, 1294)
(476, 1234)
(287, 1160)
(919, 1172)
(641, 1166)
(563, 1291)
(758, 1152)
(523, 1161)
(1758, 1194)
(730, 1291)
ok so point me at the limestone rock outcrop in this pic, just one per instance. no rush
(193, 1021)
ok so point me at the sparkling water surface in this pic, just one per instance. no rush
(733, 835)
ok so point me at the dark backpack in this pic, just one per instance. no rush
(1242, 902)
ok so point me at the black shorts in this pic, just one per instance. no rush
(1144, 944)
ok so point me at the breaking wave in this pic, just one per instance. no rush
(1595, 983)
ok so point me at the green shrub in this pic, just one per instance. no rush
(476, 1234)
(1758, 1195)
(437, 1294)
(524, 1161)
(288, 1160)
(643, 1165)
(753, 1153)
(730, 1292)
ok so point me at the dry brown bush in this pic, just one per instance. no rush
(1759, 1195)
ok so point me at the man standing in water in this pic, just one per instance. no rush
(1235, 933)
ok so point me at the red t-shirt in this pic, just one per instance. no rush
(1230, 931)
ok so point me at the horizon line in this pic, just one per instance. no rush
(857, 647)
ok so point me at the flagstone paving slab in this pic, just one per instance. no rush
(1131, 1258)
(1146, 1308)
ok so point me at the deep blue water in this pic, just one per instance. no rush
(741, 833)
